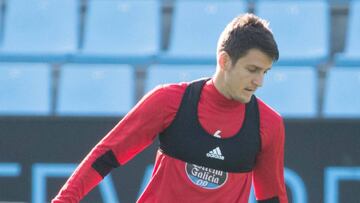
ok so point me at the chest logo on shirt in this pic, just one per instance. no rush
(215, 153)
(204, 177)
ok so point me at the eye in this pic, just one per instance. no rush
(252, 70)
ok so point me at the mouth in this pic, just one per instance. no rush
(250, 90)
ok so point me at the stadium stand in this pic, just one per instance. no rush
(195, 29)
(39, 30)
(301, 28)
(95, 90)
(121, 31)
(162, 74)
(342, 98)
(292, 91)
(25, 89)
(351, 55)
(94, 35)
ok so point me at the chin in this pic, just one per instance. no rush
(243, 100)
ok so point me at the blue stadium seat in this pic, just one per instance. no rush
(342, 98)
(25, 89)
(291, 91)
(95, 90)
(196, 27)
(2, 3)
(162, 74)
(40, 30)
(351, 55)
(121, 31)
(301, 29)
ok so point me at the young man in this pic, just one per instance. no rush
(216, 137)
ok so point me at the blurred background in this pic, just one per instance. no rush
(71, 69)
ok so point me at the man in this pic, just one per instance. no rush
(216, 137)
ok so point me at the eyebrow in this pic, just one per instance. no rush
(257, 67)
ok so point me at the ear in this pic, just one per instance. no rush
(224, 60)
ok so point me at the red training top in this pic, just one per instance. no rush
(169, 182)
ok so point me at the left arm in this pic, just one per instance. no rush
(268, 174)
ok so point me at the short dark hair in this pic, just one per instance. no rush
(246, 32)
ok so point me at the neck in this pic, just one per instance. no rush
(219, 84)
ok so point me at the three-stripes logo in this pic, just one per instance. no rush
(215, 153)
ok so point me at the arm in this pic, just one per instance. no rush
(131, 135)
(268, 175)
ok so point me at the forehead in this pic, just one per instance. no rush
(257, 58)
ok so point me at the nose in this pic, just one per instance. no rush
(258, 80)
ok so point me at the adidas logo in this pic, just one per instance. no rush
(216, 154)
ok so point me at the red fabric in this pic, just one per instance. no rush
(169, 182)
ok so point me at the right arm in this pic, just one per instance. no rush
(131, 135)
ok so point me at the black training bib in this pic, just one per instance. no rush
(186, 140)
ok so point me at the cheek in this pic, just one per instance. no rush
(238, 80)
(241, 80)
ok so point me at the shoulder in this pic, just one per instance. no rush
(163, 101)
(167, 93)
(173, 89)
(166, 96)
(271, 125)
(167, 90)
(268, 114)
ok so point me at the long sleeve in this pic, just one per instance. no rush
(268, 175)
(131, 135)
